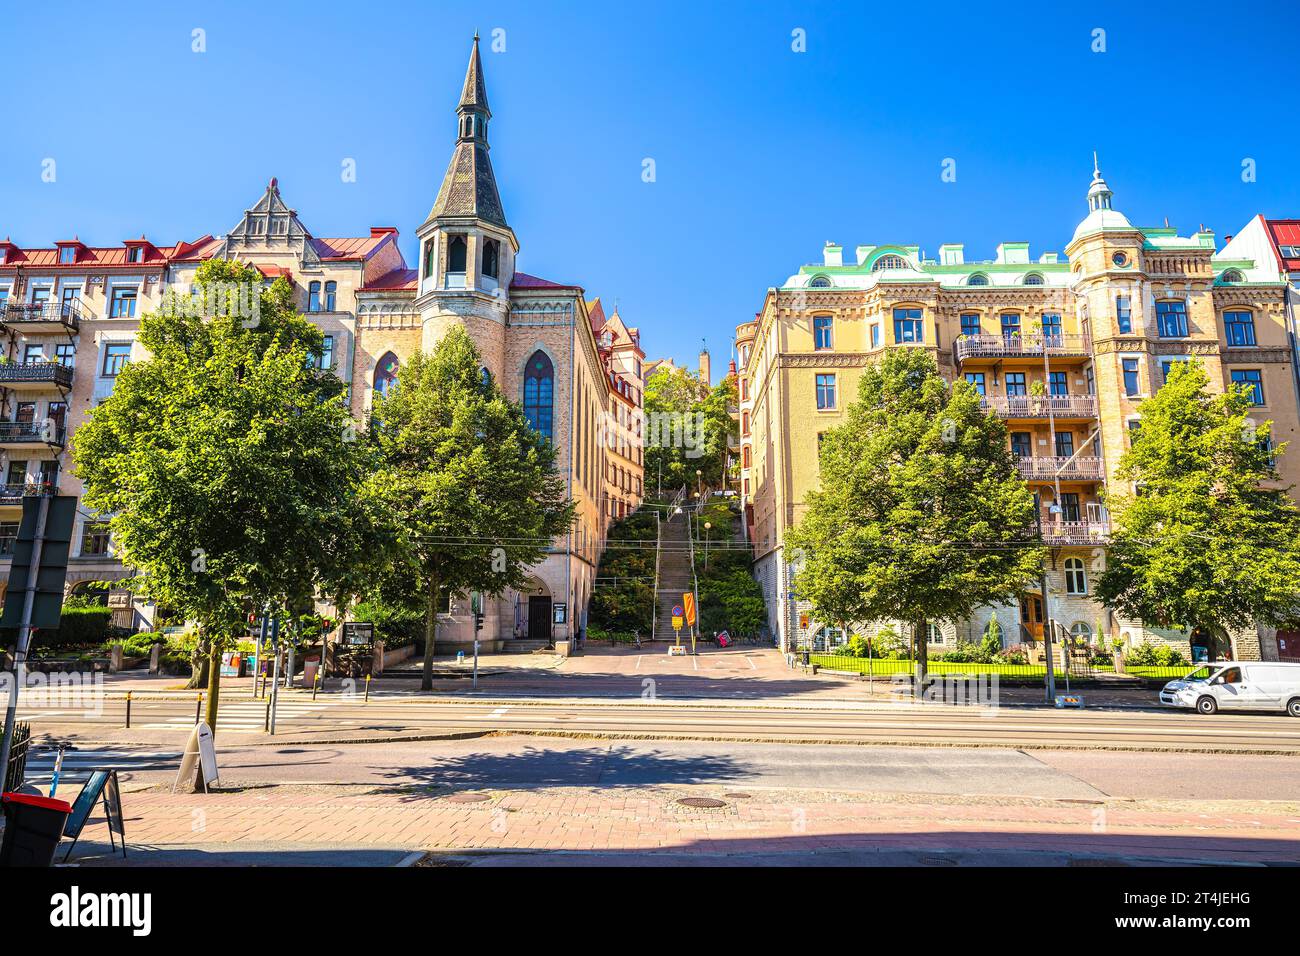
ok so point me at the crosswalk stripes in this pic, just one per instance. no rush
(79, 762)
(249, 716)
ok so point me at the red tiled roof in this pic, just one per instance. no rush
(99, 256)
(523, 280)
(274, 272)
(597, 313)
(1285, 232)
(350, 247)
(395, 281)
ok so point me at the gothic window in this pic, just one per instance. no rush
(456, 254)
(539, 393)
(491, 258)
(386, 374)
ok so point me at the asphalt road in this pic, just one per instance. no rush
(166, 720)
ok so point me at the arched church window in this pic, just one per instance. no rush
(539, 393)
(386, 374)
(456, 254)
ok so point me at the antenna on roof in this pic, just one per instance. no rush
(1166, 222)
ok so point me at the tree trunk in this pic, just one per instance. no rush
(430, 630)
(210, 710)
(921, 640)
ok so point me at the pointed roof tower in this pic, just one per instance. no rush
(1101, 216)
(469, 189)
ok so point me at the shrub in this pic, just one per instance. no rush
(1154, 655)
(1101, 659)
(1015, 654)
(395, 624)
(80, 627)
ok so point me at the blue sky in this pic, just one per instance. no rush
(761, 153)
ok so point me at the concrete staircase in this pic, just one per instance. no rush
(525, 646)
(675, 575)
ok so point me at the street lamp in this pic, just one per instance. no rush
(699, 482)
(707, 526)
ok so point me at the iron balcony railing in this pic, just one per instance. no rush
(25, 433)
(1096, 531)
(14, 494)
(1022, 344)
(67, 314)
(52, 373)
(1040, 406)
(1047, 468)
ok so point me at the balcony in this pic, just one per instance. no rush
(11, 496)
(35, 375)
(1026, 345)
(1092, 532)
(1040, 406)
(31, 434)
(36, 318)
(1048, 468)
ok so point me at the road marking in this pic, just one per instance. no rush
(499, 712)
(638, 663)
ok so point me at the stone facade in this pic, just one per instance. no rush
(375, 312)
(1062, 348)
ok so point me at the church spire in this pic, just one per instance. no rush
(469, 188)
(1099, 194)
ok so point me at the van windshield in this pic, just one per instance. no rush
(1201, 673)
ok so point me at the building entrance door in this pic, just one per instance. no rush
(539, 617)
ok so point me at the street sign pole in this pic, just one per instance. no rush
(24, 636)
(275, 671)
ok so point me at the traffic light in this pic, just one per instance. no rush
(478, 621)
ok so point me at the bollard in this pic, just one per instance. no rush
(128, 710)
(315, 685)
(198, 708)
(266, 727)
(367, 689)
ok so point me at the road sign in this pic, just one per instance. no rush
(689, 600)
(677, 610)
(52, 569)
(677, 622)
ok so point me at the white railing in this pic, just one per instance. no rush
(1040, 406)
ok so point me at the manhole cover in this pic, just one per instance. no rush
(737, 796)
(701, 803)
(468, 797)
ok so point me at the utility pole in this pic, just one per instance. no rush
(24, 636)
(275, 670)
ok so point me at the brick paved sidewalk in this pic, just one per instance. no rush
(649, 820)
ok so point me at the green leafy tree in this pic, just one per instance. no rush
(921, 515)
(226, 459)
(1211, 540)
(688, 426)
(472, 486)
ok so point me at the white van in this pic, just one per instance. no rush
(1237, 685)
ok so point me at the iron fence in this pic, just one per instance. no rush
(17, 769)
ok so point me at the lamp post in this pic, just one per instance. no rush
(707, 525)
(699, 482)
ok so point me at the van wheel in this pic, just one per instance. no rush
(1293, 707)
(1207, 705)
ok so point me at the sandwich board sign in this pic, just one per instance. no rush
(200, 749)
(102, 783)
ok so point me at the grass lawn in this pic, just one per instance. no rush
(874, 666)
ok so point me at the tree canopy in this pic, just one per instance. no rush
(687, 429)
(921, 515)
(473, 488)
(1210, 539)
(227, 459)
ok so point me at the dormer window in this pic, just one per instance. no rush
(889, 262)
(1233, 275)
(978, 278)
(1033, 279)
(135, 254)
(67, 255)
(819, 282)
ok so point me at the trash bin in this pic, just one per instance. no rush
(309, 669)
(33, 828)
